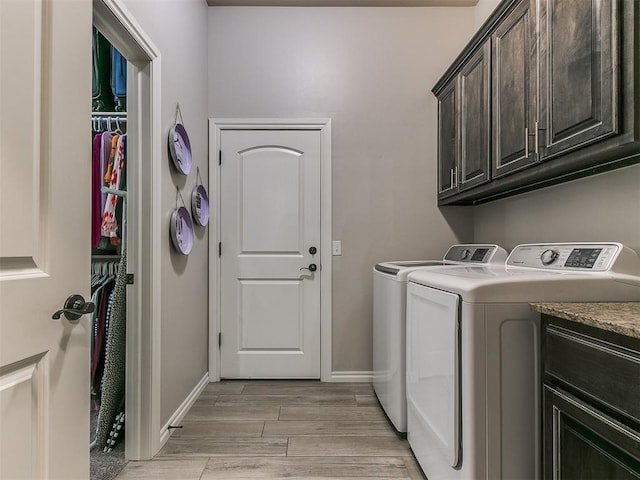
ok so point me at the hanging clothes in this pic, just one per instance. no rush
(114, 175)
(106, 146)
(100, 335)
(113, 380)
(112, 158)
(96, 194)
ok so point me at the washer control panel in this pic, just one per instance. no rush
(474, 254)
(565, 256)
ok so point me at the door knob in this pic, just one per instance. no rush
(312, 267)
(74, 308)
(313, 250)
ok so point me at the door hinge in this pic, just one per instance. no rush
(219, 157)
(130, 278)
(219, 249)
(219, 339)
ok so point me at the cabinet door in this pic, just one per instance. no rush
(447, 140)
(514, 90)
(582, 443)
(579, 64)
(475, 120)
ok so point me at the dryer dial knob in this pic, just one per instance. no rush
(466, 253)
(549, 256)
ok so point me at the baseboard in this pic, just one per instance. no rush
(356, 376)
(182, 410)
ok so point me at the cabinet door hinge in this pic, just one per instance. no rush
(219, 339)
(219, 157)
(219, 249)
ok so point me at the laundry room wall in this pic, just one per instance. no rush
(482, 10)
(604, 207)
(178, 28)
(371, 71)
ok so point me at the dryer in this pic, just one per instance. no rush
(473, 374)
(389, 306)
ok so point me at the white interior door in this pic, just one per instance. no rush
(270, 225)
(45, 71)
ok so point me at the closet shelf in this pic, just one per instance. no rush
(109, 114)
(104, 258)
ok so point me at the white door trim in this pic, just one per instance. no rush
(143, 300)
(216, 126)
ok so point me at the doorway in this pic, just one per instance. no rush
(271, 256)
(144, 144)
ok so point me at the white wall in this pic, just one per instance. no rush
(482, 10)
(371, 70)
(178, 28)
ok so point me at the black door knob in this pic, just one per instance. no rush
(74, 308)
(312, 267)
(313, 250)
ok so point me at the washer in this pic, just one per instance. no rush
(389, 334)
(473, 379)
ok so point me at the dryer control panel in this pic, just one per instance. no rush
(475, 254)
(596, 257)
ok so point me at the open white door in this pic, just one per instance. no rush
(270, 263)
(45, 78)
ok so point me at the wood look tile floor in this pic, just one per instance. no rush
(268, 429)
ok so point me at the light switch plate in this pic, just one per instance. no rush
(336, 248)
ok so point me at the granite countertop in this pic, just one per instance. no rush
(622, 318)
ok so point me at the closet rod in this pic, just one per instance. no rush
(118, 193)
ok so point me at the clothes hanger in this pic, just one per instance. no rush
(118, 127)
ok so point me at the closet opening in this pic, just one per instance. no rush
(125, 377)
(109, 269)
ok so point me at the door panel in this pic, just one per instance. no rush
(283, 331)
(270, 217)
(578, 73)
(271, 196)
(475, 120)
(45, 64)
(583, 442)
(21, 238)
(22, 409)
(514, 90)
(447, 140)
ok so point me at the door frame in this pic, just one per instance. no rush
(142, 404)
(323, 125)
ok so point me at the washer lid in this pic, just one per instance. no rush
(394, 267)
(465, 254)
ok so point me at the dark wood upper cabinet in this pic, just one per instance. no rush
(475, 121)
(563, 100)
(514, 90)
(579, 73)
(464, 126)
(447, 139)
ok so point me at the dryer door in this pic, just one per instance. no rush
(433, 372)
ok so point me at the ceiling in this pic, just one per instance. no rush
(341, 3)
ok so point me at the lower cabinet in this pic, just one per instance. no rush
(583, 443)
(591, 403)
